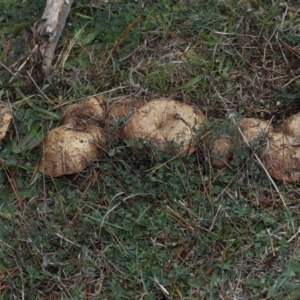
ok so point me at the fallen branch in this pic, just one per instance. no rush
(50, 27)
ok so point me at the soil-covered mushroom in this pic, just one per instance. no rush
(5, 119)
(253, 129)
(291, 127)
(163, 121)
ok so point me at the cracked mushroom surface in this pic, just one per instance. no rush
(165, 120)
(5, 119)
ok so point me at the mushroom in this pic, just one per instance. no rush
(69, 151)
(221, 151)
(163, 121)
(122, 107)
(90, 111)
(70, 148)
(5, 119)
(251, 130)
(282, 156)
(291, 127)
(118, 111)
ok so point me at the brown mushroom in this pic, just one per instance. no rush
(291, 126)
(251, 129)
(70, 148)
(90, 111)
(68, 151)
(5, 119)
(118, 112)
(281, 157)
(221, 151)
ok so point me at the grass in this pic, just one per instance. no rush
(147, 225)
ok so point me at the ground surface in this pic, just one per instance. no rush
(147, 225)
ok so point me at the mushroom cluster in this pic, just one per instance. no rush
(81, 136)
(279, 150)
(84, 127)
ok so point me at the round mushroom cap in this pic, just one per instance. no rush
(90, 111)
(5, 119)
(163, 121)
(253, 128)
(281, 158)
(69, 151)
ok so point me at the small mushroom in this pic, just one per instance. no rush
(221, 151)
(5, 119)
(252, 129)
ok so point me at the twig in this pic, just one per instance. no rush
(13, 184)
(114, 207)
(24, 63)
(67, 240)
(298, 232)
(48, 99)
(215, 217)
(271, 241)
